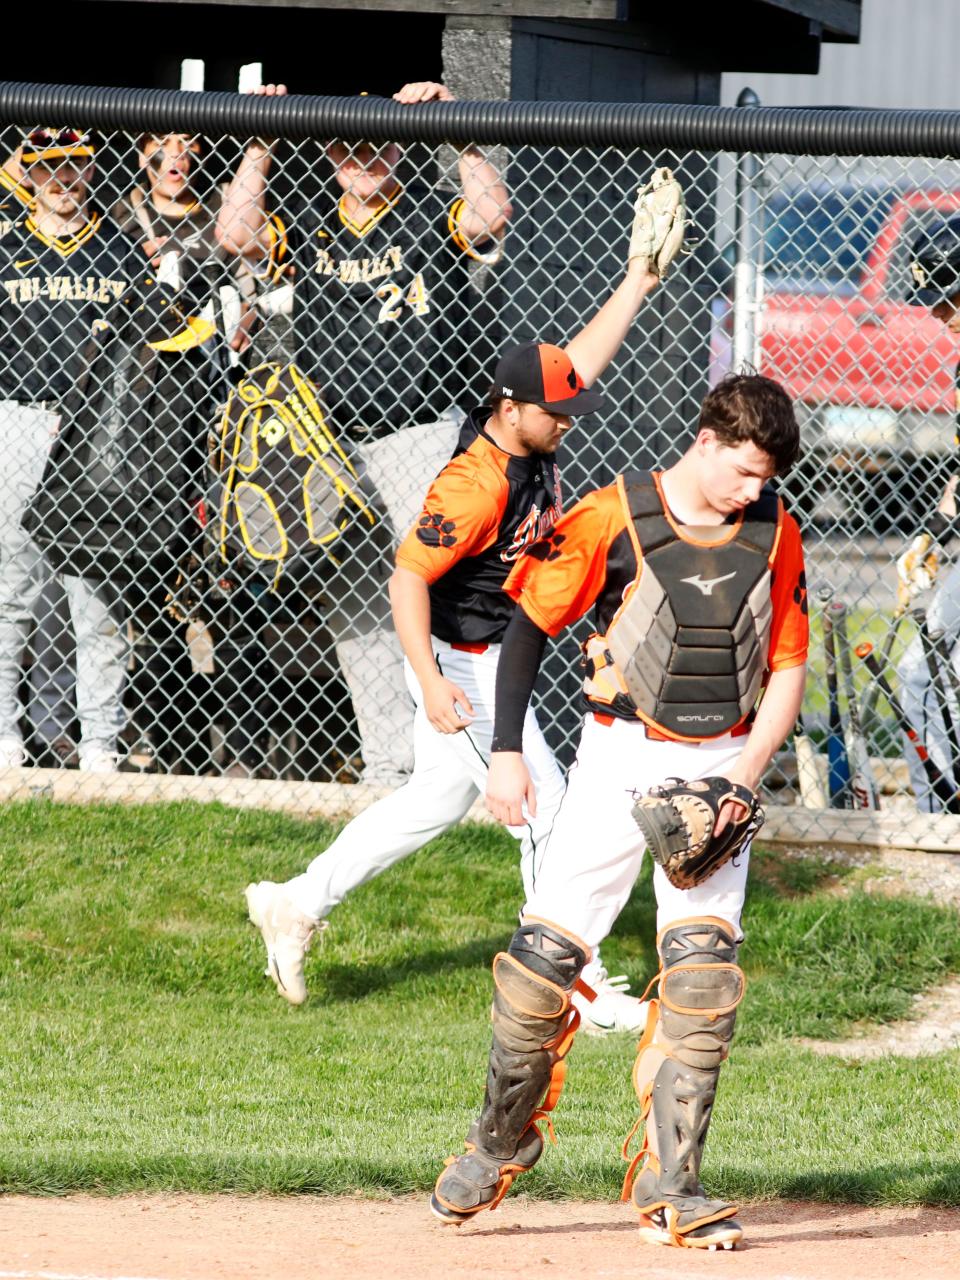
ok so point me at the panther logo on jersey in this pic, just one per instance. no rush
(800, 592)
(436, 530)
(547, 548)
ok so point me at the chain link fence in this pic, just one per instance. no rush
(233, 359)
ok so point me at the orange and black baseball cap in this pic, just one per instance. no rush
(55, 143)
(539, 373)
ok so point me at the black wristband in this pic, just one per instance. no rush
(940, 527)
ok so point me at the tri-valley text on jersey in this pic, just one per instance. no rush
(64, 289)
(355, 270)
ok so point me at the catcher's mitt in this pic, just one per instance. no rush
(659, 218)
(678, 818)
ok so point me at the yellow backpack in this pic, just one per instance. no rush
(286, 493)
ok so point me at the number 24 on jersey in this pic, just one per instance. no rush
(393, 300)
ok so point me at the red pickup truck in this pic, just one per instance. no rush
(873, 376)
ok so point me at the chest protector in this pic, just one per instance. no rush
(687, 649)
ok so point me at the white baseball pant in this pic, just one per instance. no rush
(921, 703)
(585, 873)
(450, 771)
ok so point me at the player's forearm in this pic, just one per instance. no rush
(520, 656)
(410, 603)
(776, 716)
(486, 207)
(242, 221)
(599, 341)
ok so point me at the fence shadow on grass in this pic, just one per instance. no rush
(341, 983)
(931, 1182)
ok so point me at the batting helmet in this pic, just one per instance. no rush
(935, 264)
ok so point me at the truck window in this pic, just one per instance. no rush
(817, 240)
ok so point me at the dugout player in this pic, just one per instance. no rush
(497, 495)
(63, 266)
(50, 690)
(935, 268)
(176, 230)
(696, 575)
(382, 318)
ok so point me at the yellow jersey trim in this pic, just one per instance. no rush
(491, 256)
(360, 229)
(68, 244)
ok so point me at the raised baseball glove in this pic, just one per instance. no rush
(659, 219)
(917, 568)
(677, 819)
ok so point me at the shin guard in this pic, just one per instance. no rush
(533, 1027)
(688, 1036)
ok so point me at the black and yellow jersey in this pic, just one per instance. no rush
(382, 317)
(190, 235)
(54, 291)
(483, 510)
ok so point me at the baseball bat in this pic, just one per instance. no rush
(938, 684)
(869, 700)
(938, 783)
(863, 788)
(838, 766)
(811, 769)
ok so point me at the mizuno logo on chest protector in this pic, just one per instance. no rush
(706, 585)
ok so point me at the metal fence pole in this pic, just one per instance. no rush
(748, 272)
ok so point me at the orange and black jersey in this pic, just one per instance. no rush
(589, 559)
(382, 318)
(52, 293)
(484, 508)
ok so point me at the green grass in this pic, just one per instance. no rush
(141, 1048)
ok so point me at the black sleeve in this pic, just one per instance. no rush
(520, 658)
(940, 527)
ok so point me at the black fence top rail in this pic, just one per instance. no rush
(651, 126)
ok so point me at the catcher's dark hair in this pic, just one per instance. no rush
(749, 407)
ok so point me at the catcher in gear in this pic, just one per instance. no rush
(696, 670)
(935, 268)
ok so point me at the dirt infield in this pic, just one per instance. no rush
(296, 1238)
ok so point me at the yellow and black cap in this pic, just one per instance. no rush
(52, 142)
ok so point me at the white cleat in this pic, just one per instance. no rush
(711, 1238)
(98, 759)
(287, 934)
(615, 1010)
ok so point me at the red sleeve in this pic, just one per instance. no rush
(790, 628)
(460, 517)
(558, 579)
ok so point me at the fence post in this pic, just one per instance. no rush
(748, 273)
